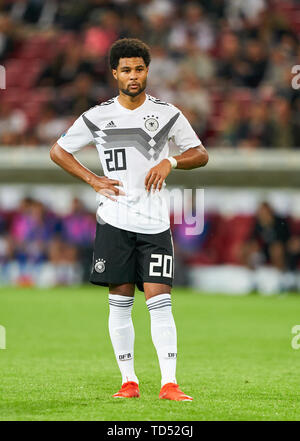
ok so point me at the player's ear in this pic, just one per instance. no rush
(114, 72)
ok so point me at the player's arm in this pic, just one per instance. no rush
(70, 164)
(192, 158)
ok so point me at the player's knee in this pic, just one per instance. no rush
(155, 289)
(125, 289)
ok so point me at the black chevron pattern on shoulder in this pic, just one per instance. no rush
(91, 126)
(107, 103)
(157, 101)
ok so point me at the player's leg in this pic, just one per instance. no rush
(155, 264)
(164, 337)
(163, 329)
(114, 266)
(155, 268)
(121, 333)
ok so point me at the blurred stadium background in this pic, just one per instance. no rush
(226, 64)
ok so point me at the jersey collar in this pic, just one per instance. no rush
(129, 110)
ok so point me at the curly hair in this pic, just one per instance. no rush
(128, 48)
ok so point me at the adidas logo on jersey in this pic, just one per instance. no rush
(110, 124)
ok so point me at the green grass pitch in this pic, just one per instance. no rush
(235, 358)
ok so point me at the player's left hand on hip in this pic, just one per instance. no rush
(156, 175)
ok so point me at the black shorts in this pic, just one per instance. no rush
(122, 256)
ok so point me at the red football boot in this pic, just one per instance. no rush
(128, 390)
(171, 391)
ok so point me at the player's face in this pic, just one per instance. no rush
(131, 75)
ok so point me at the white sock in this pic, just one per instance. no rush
(164, 337)
(121, 332)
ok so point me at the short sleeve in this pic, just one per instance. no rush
(76, 137)
(183, 135)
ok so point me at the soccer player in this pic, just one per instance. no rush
(133, 244)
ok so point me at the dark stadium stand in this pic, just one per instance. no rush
(238, 58)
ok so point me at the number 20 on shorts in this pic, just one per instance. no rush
(161, 265)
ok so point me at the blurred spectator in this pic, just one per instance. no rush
(99, 38)
(199, 63)
(228, 126)
(30, 138)
(278, 66)
(37, 12)
(79, 228)
(78, 96)
(6, 36)
(257, 129)
(268, 241)
(13, 123)
(65, 68)
(134, 26)
(158, 30)
(229, 54)
(60, 252)
(162, 8)
(194, 26)
(163, 70)
(31, 229)
(195, 97)
(250, 69)
(50, 125)
(293, 253)
(286, 127)
(239, 11)
(6, 249)
(71, 16)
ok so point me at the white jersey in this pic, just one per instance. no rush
(129, 144)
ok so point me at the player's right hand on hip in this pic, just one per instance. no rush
(106, 187)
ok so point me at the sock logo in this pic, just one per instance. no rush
(172, 354)
(100, 265)
(125, 357)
